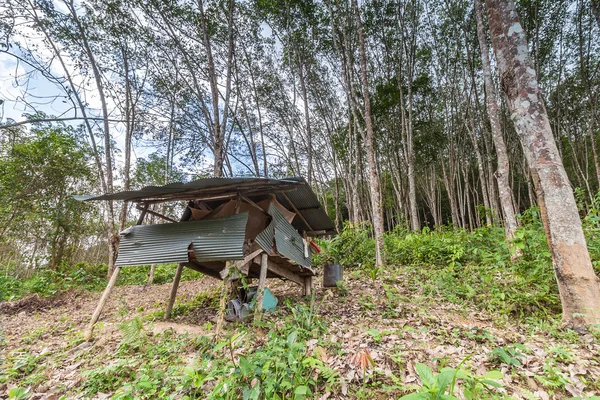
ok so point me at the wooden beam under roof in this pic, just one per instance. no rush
(145, 210)
(198, 195)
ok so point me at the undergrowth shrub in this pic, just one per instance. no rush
(354, 246)
(475, 266)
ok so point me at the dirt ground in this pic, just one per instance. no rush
(396, 334)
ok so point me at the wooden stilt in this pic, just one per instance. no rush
(223, 301)
(101, 303)
(174, 291)
(308, 284)
(262, 280)
(151, 275)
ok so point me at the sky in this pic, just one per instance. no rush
(24, 91)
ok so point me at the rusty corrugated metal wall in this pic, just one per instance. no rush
(288, 241)
(212, 240)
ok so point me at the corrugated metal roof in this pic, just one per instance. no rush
(306, 202)
(287, 240)
(197, 187)
(296, 189)
(211, 240)
(265, 238)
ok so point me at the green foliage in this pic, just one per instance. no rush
(47, 282)
(510, 355)
(442, 386)
(282, 368)
(144, 366)
(39, 173)
(19, 393)
(353, 246)
(132, 331)
(342, 289)
(467, 266)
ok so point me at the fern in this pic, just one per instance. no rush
(133, 331)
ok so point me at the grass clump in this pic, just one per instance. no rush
(46, 282)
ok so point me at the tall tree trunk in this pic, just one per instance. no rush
(503, 172)
(583, 70)
(260, 122)
(578, 285)
(80, 104)
(480, 166)
(370, 145)
(302, 74)
(129, 123)
(113, 239)
(219, 127)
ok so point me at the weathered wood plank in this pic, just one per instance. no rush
(261, 285)
(101, 303)
(174, 291)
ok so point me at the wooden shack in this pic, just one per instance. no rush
(257, 227)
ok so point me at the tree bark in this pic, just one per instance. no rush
(370, 145)
(113, 239)
(302, 70)
(578, 285)
(503, 171)
(129, 123)
(219, 127)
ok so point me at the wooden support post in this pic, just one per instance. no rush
(174, 291)
(223, 301)
(151, 275)
(262, 280)
(143, 213)
(159, 215)
(101, 303)
(308, 285)
(297, 212)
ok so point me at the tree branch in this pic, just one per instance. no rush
(33, 121)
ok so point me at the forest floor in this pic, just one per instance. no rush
(390, 322)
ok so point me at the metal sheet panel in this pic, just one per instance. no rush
(212, 240)
(287, 240)
(306, 202)
(265, 238)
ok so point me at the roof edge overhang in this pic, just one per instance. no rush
(292, 191)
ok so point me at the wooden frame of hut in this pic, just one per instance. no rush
(259, 226)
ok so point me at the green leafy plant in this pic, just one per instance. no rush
(342, 288)
(510, 355)
(19, 393)
(441, 386)
(283, 368)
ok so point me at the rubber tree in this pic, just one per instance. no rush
(374, 185)
(578, 285)
(502, 173)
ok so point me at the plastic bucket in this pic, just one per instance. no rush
(332, 274)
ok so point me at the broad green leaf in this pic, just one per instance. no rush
(490, 382)
(425, 374)
(301, 390)
(415, 396)
(292, 338)
(495, 375)
(444, 378)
